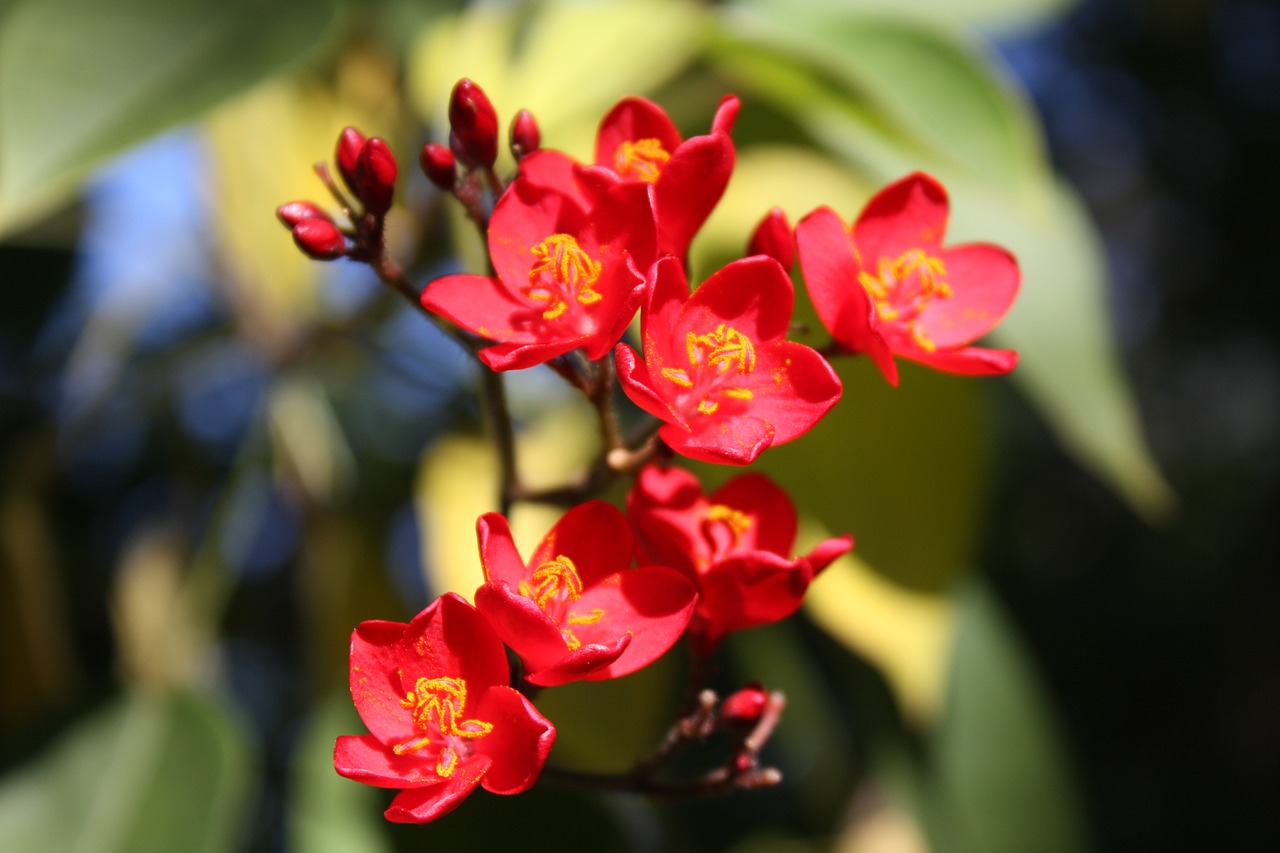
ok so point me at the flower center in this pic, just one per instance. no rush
(902, 287)
(437, 707)
(641, 160)
(562, 273)
(722, 528)
(717, 360)
(553, 585)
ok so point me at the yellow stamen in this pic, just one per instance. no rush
(641, 160)
(551, 579)
(561, 271)
(438, 705)
(903, 286)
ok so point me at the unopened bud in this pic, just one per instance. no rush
(525, 137)
(473, 125)
(773, 237)
(376, 176)
(743, 708)
(438, 165)
(350, 141)
(319, 239)
(300, 211)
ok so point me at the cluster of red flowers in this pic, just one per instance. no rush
(576, 250)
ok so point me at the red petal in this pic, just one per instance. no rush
(518, 744)
(636, 383)
(969, 361)
(773, 237)
(754, 295)
(477, 303)
(747, 590)
(525, 216)
(910, 213)
(726, 114)
(376, 657)
(794, 386)
(581, 663)
(500, 560)
(522, 625)
(773, 516)
(421, 805)
(831, 276)
(553, 169)
(828, 550)
(450, 637)
(632, 119)
(690, 186)
(984, 282)
(652, 603)
(595, 536)
(725, 441)
(667, 507)
(365, 759)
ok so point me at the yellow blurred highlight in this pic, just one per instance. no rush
(566, 61)
(457, 483)
(161, 641)
(310, 447)
(880, 826)
(904, 633)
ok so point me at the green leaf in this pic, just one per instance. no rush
(81, 80)
(889, 96)
(994, 14)
(902, 469)
(327, 813)
(995, 776)
(145, 773)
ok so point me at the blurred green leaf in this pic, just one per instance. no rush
(889, 96)
(81, 80)
(995, 775)
(997, 14)
(327, 813)
(901, 469)
(146, 773)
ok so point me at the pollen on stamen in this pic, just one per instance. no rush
(641, 159)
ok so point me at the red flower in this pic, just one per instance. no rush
(716, 367)
(734, 544)
(441, 717)
(568, 276)
(576, 611)
(638, 143)
(890, 288)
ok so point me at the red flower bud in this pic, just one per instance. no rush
(350, 141)
(743, 709)
(438, 165)
(473, 123)
(300, 211)
(773, 237)
(525, 136)
(375, 176)
(319, 239)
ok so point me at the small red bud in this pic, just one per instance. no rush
(350, 141)
(525, 137)
(376, 176)
(773, 237)
(438, 165)
(299, 211)
(743, 762)
(473, 124)
(319, 239)
(743, 708)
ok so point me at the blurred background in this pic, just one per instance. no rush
(1059, 630)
